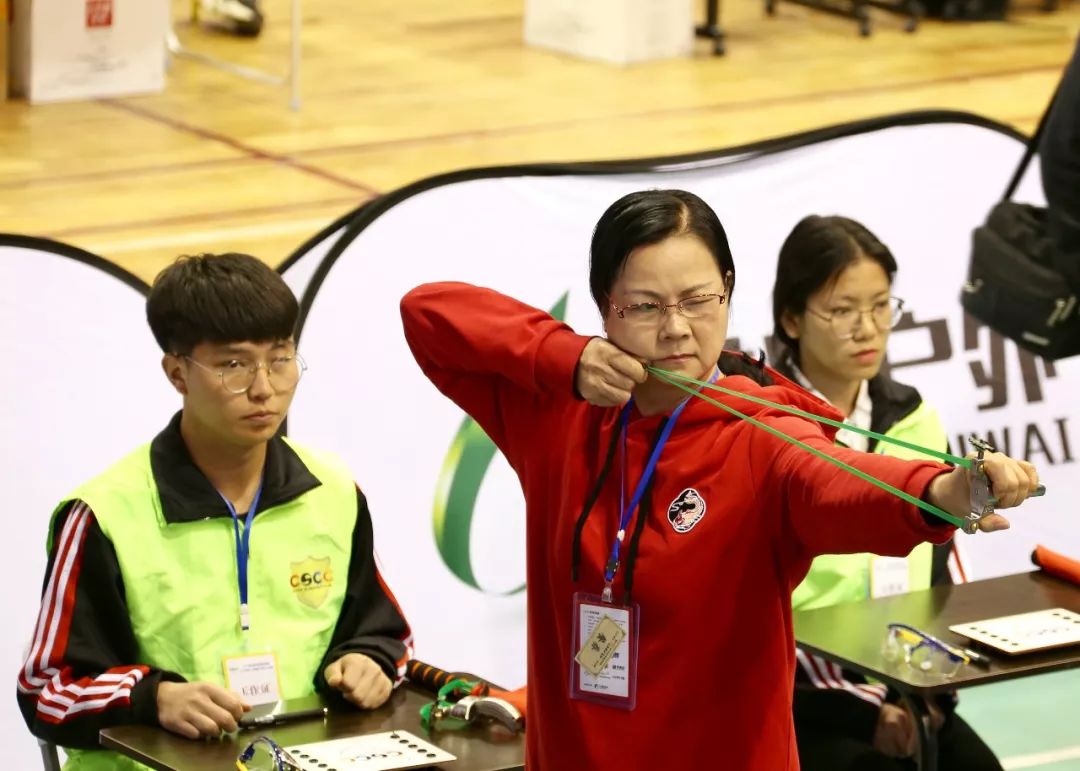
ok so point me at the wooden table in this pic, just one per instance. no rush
(851, 634)
(482, 748)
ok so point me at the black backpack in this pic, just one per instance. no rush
(1012, 286)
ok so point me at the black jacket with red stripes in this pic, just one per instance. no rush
(77, 677)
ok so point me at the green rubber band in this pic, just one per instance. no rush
(948, 458)
(927, 507)
(442, 700)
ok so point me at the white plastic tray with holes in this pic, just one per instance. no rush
(372, 752)
(1025, 632)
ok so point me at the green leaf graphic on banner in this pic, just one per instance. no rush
(458, 487)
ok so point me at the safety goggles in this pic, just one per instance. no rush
(264, 754)
(925, 653)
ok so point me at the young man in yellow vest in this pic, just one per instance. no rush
(218, 550)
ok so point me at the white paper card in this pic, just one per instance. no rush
(889, 576)
(1025, 632)
(615, 679)
(372, 752)
(254, 678)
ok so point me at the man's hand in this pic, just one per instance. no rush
(606, 375)
(1011, 481)
(895, 734)
(360, 680)
(196, 710)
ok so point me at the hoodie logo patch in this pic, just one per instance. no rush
(686, 510)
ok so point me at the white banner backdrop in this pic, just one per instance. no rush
(449, 528)
(81, 388)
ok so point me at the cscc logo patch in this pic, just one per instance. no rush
(311, 580)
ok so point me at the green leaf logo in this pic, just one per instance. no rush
(458, 487)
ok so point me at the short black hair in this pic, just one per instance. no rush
(219, 298)
(648, 217)
(814, 254)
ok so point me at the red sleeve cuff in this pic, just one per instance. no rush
(557, 360)
(930, 527)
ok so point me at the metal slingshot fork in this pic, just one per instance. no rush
(982, 494)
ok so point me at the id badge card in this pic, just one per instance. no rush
(889, 576)
(604, 651)
(253, 676)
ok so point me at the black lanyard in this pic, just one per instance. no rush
(594, 494)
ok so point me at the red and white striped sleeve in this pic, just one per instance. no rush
(81, 672)
(405, 634)
(825, 674)
(825, 696)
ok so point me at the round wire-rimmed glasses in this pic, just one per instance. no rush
(236, 377)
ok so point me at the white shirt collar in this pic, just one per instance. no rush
(860, 417)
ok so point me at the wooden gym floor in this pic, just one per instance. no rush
(395, 91)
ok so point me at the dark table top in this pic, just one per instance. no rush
(851, 633)
(479, 748)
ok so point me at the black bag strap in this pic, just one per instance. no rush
(1032, 148)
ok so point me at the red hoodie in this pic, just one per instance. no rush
(717, 655)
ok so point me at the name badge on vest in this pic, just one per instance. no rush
(253, 677)
(889, 576)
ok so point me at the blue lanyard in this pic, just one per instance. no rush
(627, 513)
(243, 551)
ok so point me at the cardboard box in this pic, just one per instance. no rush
(84, 49)
(620, 31)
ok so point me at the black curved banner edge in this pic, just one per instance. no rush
(313, 241)
(78, 254)
(364, 215)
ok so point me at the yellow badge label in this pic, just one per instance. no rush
(311, 580)
(599, 649)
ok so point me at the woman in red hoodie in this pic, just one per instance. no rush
(664, 536)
